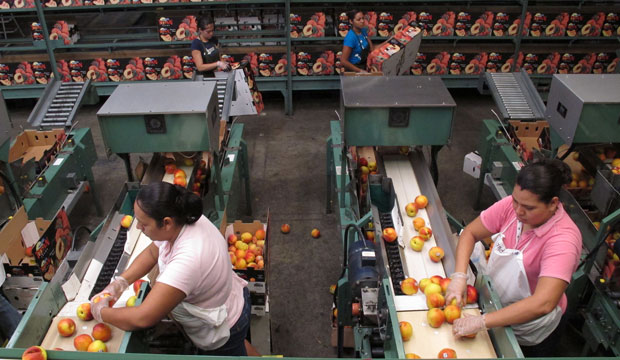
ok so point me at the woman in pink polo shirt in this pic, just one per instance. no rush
(196, 283)
(537, 247)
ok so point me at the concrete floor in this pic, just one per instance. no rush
(287, 166)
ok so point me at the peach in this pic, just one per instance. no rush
(170, 168)
(246, 237)
(447, 353)
(423, 283)
(364, 170)
(436, 279)
(260, 234)
(444, 284)
(98, 298)
(132, 301)
(425, 232)
(411, 210)
(409, 286)
(418, 223)
(181, 181)
(240, 253)
(83, 312)
(249, 257)
(180, 173)
(285, 228)
(372, 165)
(332, 289)
(315, 233)
(137, 285)
(421, 201)
(432, 288)
(241, 264)
(436, 253)
(66, 327)
(82, 342)
(126, 221)
(435, 300)
(34, 353)
(472, 295)
(389, 234)
(232, 239)
(406, 330)
(97, 346)
(101, 332)
(435, 317)
(417, 243)
(370, 235)
(412, 356)
(240, 245)
(452, 313)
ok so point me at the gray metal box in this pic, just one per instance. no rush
(396, 110)
(585, 108)
(161, 117)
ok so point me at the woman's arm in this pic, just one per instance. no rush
(142, 264)
(344, 60)
(473, 232)
(545, 298)
(159, 302)
(200, 66)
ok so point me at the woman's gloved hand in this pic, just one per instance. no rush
(457, 289)
(95, 307)
(223, 66)
(470, 324)
(115, 288)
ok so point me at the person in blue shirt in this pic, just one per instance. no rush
(206, 49)
(357, 45)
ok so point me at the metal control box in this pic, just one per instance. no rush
(585, 108)
(160, 117)
(396, 110)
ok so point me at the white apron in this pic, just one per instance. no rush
(506, 270)
(207, 328)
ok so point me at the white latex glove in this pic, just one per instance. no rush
(95, 307)
(223, 66)
(470, 324)
(115, 288)
(457, 289)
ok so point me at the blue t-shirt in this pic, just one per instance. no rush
(357, 43)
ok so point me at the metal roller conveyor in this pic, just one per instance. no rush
(58, 99)
(515, 95)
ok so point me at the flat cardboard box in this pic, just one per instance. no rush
(32, 144)
(12, 242)
(397, 54)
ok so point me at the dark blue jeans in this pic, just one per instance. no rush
(9, 318)
(235, 346)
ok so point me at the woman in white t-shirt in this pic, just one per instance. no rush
(196, 283)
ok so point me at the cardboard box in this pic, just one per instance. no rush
(166, 28)
(260, 310)
(571, 63)
(53, 245)
(605, 63)
(539, 24)
(444, 25)
(348, 338)
(77, 70)
(549, 64)
(514, 27)
(576, 21)
(42, 71)
(134, 70)
(114, 68)
(558, 26)
(37, 145)
(496, 60)
(502, 22)
(483, 25)
(594, 25)
(13, 248)
(397, 54)
(267, 63)
(237, 228)
(97, 70)
(385, 24)
(16, 74)
(315, 63)
(611, 26)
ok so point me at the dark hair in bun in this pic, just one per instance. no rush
(544, 178)
(351, 14)
(159, 200)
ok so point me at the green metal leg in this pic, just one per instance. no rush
(330, 165)
(245, 175)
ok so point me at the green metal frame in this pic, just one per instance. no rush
(77, 157)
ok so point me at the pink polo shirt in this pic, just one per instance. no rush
(199, 265)
(554, 247)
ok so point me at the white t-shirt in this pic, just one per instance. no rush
(199, 265)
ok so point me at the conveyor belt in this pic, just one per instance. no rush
(58, 104)
(393, 255)
(515, 95)
(111, 262)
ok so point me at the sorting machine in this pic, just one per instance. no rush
(391, 122)
(581, 114)
(180, 123)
